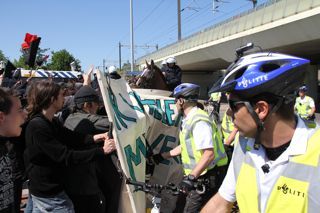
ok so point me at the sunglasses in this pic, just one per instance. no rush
(233, 104)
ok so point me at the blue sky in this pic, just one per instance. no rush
(91, 29)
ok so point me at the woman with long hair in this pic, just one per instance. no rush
(50, 148)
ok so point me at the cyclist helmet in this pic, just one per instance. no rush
(264, 73)
(112, 69)
(303, 88)
(171, 60)
(258, 73)
(187, 90)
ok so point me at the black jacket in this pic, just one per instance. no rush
(82, 179)
(50, 151)
(173, 74)
(105, 177)
(6, 176)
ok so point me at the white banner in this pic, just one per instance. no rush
(139, 119)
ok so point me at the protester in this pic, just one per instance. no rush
(12, 117)
(274, 167)
(50, 148)
(201, 149)
(304, 105)
(89, 197)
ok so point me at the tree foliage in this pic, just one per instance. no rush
(127, 67)
(61, 60)
(20, 62)
(40, 54)
(2, 56)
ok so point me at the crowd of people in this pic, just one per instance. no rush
(58, 144)
(264, 155)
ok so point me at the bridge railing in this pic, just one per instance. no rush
(268, 12)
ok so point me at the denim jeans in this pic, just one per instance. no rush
(29, 206)
(60, 203)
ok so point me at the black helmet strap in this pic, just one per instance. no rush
(260, 124)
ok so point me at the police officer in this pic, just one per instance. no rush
(201, 149)
(275, 165)
(304, 105)
(215, 98)
(230, 134)
(163, 65)
(172, 73)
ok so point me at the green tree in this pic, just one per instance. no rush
(127, 66)
(2, 56)
(20, 63)
(40, 54)
(61, 60)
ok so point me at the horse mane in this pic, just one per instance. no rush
(152, 78)
(157, 69)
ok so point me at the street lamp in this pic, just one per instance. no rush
(131, 37)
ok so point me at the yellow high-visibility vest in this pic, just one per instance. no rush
(215, 96)
(227, 127)
(297, 189)
(303, 109)
(190, 156)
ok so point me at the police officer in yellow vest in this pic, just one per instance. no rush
(304, 105)
(215, 98)
(275, 166)
(230, 134)
(201, 149)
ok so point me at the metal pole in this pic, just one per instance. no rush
(131, 32)
(179, 20)
(104, 65)
(120, 56)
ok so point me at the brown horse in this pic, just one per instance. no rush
(152, 78)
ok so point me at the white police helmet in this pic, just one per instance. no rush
(164, 62)
(112, 69)
(2, 65)
(171, 60)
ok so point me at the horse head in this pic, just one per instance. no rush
(151, 77)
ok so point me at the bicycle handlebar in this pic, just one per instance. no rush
(157, 188)
(171, 188)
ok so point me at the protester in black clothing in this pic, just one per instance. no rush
(50, 148)
(105, 177)
(12, 117)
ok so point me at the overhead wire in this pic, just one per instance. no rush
(223, 15)
(172, 28)
(147, 16)
(138, 25)
(195, 15)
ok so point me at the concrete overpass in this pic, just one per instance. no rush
(287, 26)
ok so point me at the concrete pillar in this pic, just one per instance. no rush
(203, 78)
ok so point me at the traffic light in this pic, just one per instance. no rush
(30, 48)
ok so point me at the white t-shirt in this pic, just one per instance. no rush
(298, 146)
(202, 131)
